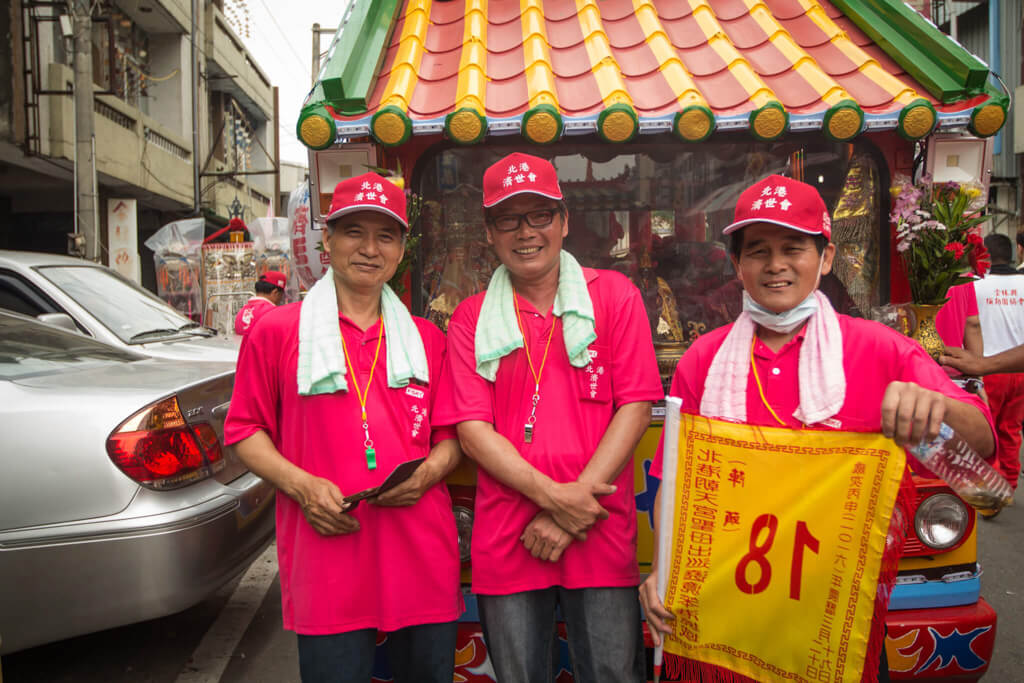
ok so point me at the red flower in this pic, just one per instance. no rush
(957, 248)
(979, 260)
(974, 239)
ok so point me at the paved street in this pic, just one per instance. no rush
(236, 636)
(1001, 549)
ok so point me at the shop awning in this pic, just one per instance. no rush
(618, 68)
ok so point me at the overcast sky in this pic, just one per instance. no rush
(281, 40)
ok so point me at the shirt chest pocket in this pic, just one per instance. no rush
(595, 380)
(416, 399)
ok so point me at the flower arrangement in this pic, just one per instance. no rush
(937, 235)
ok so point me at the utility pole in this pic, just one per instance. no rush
(277, 155)
(196, 195)
(316, 51)
(86, 215)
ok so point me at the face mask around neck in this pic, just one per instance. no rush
(784, 322)
(787, 321)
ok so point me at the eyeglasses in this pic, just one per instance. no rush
(539, 218)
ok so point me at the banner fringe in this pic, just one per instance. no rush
(685, 670)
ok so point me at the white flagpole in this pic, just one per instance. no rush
(666, 520)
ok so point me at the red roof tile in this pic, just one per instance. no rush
(653, 57)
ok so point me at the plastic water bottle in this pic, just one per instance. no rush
(957, 464)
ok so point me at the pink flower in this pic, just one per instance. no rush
(957, 248)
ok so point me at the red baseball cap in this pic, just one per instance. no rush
(274, 277)
(368, 192)
(782, 201)
(520, 174)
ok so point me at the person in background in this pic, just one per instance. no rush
(868, 378)
(331, 395)
(959, 326)
(269, 293)
(550, 378)
(1020, 249)
(1000, 301)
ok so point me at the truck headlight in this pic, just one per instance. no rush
(941, 521)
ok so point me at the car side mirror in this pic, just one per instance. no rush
(62, 320)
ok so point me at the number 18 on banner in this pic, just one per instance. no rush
(761, 543)
(776, 548)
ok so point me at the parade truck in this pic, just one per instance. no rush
(656, 115)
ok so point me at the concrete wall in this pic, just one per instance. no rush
(180, 11)
(225, 49)
(170, 99)
(131, 147)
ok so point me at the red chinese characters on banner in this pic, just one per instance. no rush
(310, 261)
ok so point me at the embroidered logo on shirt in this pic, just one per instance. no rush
(414, 392)
(417, 420)
(594, 373)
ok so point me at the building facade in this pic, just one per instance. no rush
(142, 117)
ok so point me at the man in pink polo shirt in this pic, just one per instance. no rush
(269, 293)
(550, 377)
(331, 395)
(780, 249)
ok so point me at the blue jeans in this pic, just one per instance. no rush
(602, 625)
(417, 654)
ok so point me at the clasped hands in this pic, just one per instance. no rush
(569, 511)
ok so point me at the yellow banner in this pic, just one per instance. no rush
(777, 542)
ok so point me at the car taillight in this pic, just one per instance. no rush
(158, 449)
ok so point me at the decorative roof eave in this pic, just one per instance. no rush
(573, 126)
(354, 100)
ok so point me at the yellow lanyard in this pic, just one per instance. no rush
(760, 389)
(532, 420)
(362, 396)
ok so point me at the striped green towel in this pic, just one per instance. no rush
(321, 366)
(497, 330)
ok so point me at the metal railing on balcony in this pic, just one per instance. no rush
(118, 117)
(157, 140)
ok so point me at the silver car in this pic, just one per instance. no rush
(118, 500)
(99, 302)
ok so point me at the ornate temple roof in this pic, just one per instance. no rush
(618, 68)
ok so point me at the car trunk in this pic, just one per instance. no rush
(55, 461)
